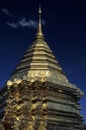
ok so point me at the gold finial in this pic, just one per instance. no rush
(39, 33)
(40, 11)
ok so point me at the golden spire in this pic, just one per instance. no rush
(39, 33)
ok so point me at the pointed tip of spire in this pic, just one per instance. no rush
(39, 33)
(40, 10)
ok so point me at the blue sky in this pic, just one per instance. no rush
(64, 27)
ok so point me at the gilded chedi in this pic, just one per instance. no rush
(39, 95)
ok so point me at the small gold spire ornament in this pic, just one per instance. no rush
(42, 125)
(31, 124)
(39, 33)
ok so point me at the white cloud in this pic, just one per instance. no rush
(6, 11)
(12, 25)
(27, 23)
(43, 22)
(24, 23)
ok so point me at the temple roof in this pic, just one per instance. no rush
(39, 63)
